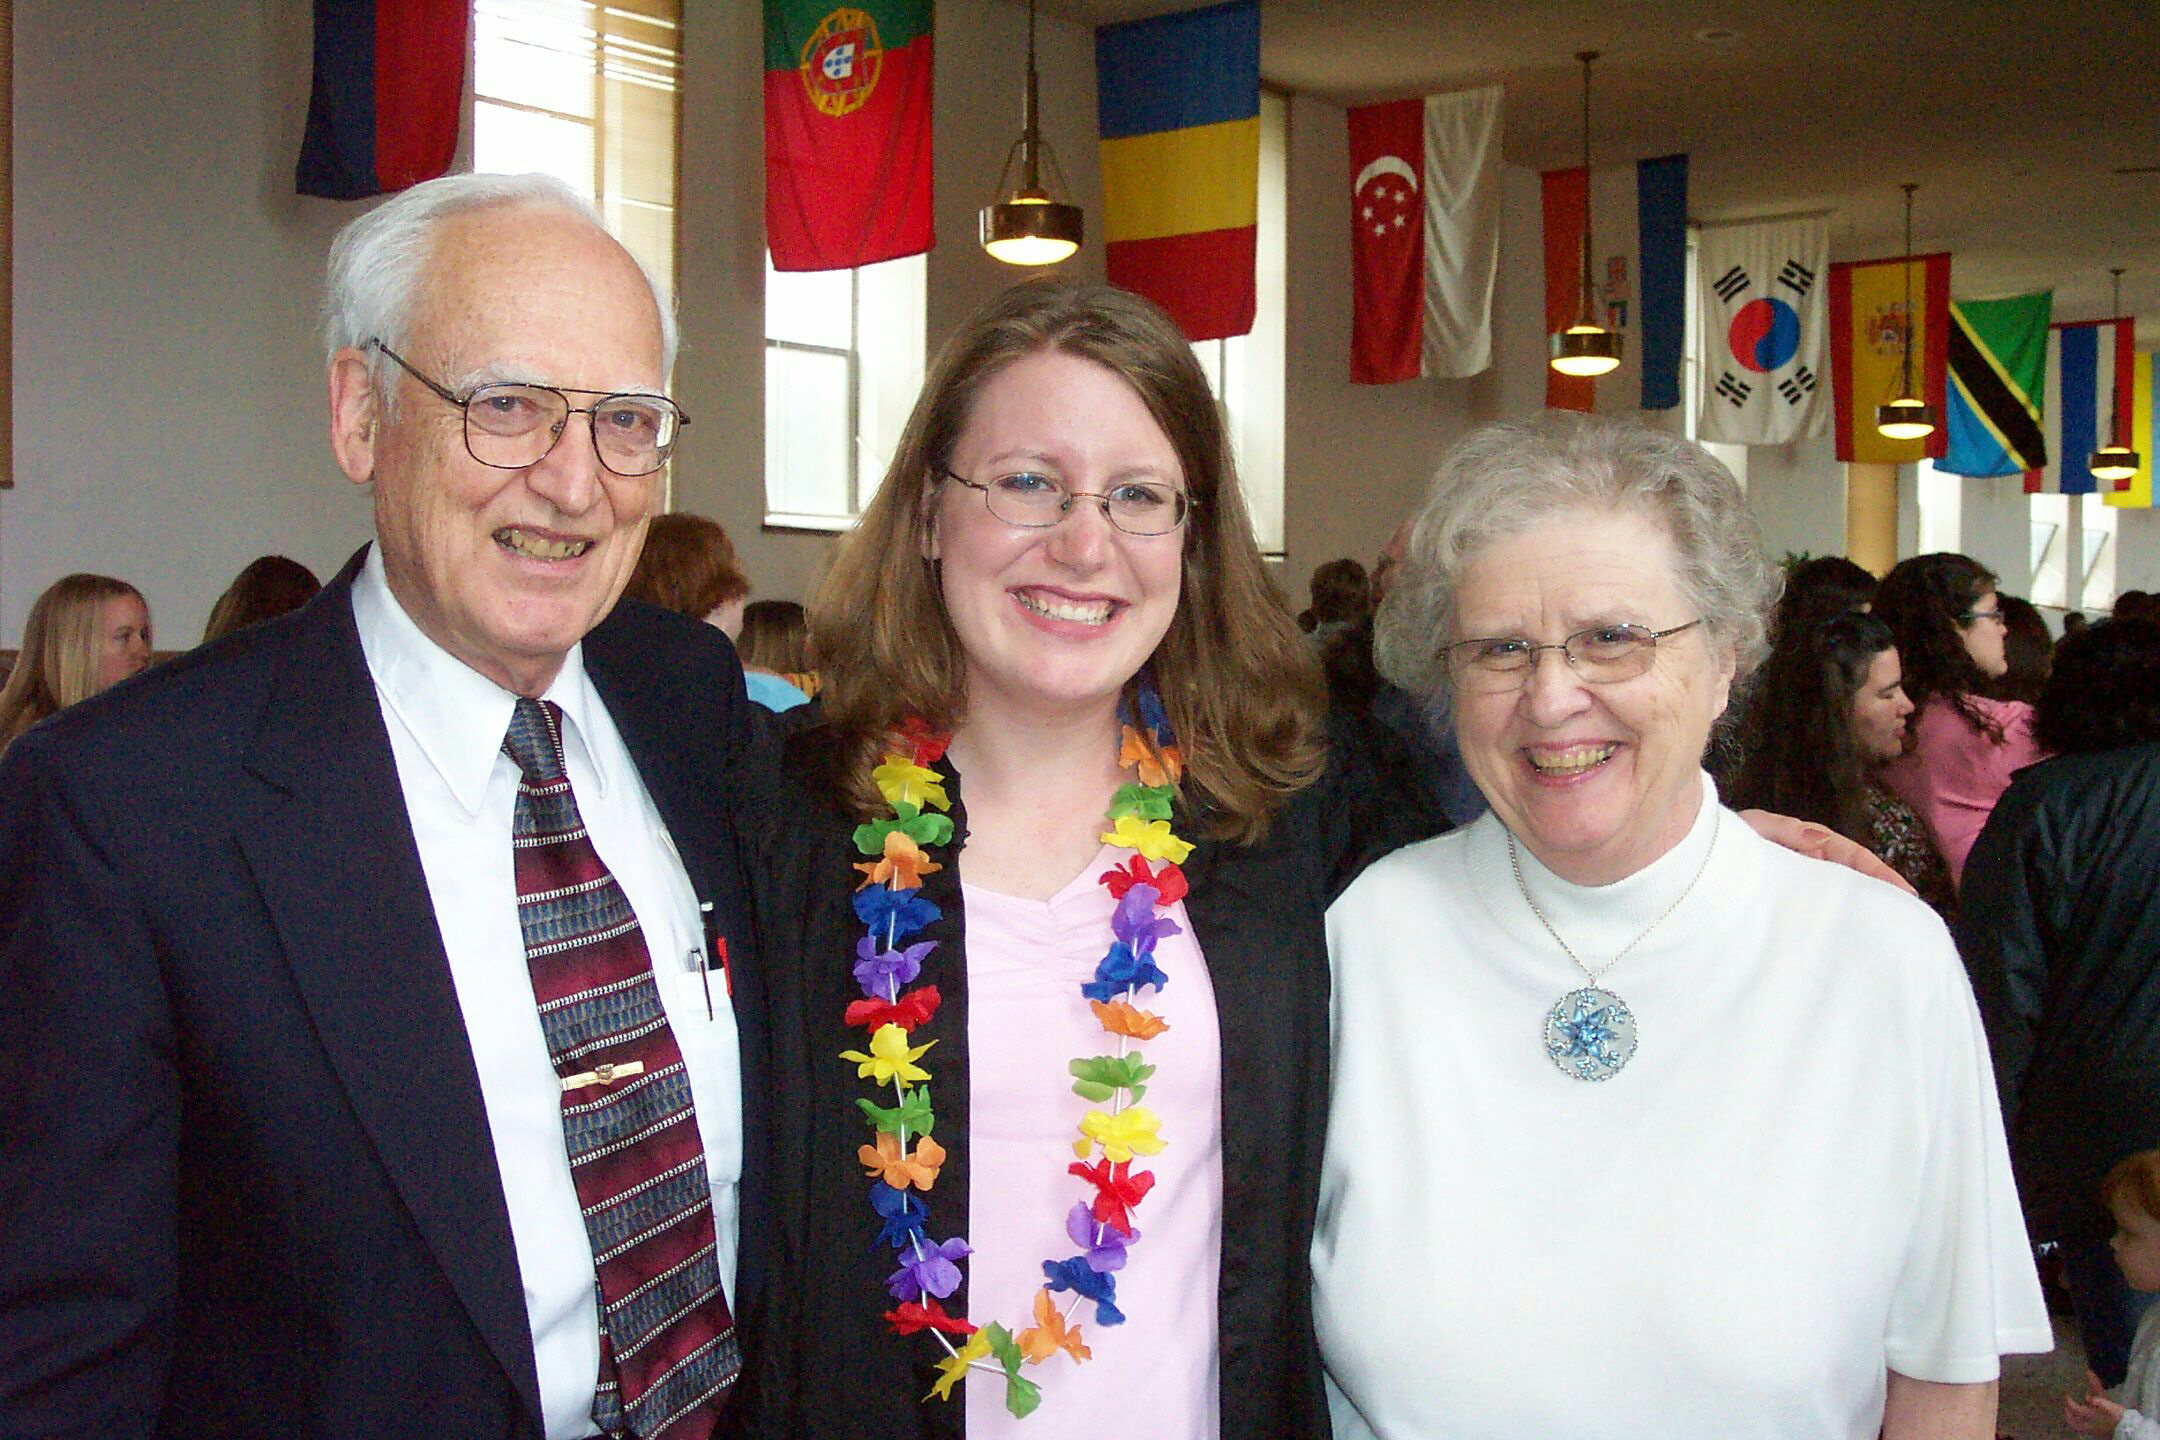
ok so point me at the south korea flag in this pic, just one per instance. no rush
(1762, 294)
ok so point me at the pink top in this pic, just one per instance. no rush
(1155, 1374)
(1954, 773)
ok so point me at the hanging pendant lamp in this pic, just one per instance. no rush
(2115, 460)
(1908, 417)
(1029, 225)
(1586, 347)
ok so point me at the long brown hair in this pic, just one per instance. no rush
(1240, 686)
(61, 651)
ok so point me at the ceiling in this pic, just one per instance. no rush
(2012, 118)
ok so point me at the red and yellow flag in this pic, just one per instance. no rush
(1868, 328)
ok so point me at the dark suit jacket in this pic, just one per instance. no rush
(246, 1182)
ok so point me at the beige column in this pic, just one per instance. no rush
(1871, 516)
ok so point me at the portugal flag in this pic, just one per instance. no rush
(847, 132)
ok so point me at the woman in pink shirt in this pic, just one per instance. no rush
(1964, 747)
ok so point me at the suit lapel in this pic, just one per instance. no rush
(333, 853)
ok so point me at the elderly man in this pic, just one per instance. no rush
(370, 1047)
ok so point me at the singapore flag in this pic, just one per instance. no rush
(1425, 235)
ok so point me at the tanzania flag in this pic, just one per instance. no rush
(847, 132)
(389, 90)
(1998, 374)
(2137, 494)
(1868, 329)
(1178, 106)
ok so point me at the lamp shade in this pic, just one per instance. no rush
(1030, 229)
(2114, 462)
(1906, 418)
(1585, 349)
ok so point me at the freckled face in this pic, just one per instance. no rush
(1596, 781)
(123, 639)
(1055, 619)
(1879, 709)
(507, 569)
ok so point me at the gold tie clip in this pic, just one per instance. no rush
(605, 1075)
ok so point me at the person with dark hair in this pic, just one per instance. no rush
(2074, 621)
(266, 589)
(2028, 652)
(1342, 594)
(2061, 933)
(1950, 632)
(1815, 589)
(2134, 605)
(1829, 709)
(1819, 587)
(86, 633)
(689, 566)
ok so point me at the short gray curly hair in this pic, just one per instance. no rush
(1507, 478)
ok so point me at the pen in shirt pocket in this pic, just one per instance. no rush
(702, 957)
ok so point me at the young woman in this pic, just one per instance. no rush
(84, 634)
(1831, 708)
(1950, 633)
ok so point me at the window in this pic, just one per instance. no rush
(1246, 371)
(843, 360)
(1732, 457)
(2049, 552)
(1941, 500)
(2098, 592)
(589, 93)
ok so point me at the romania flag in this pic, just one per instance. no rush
(2140, 420)
(1178, 106)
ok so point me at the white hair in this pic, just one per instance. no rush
(376, 261)
(1505, 479)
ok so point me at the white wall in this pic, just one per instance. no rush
(169, 395)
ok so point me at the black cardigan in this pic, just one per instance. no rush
(823, 1363)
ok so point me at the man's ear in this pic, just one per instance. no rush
(355, 411)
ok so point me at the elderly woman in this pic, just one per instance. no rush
(1640, 1125)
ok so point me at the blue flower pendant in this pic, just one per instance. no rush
(1590, 1034)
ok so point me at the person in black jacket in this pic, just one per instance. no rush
(2061, 931)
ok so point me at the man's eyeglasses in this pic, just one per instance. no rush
(1035, 501)
(1601, 655)
(512, 426)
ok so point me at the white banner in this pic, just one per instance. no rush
(1763, 294)
(1462, 229)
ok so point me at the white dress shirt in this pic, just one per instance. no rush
(446, 726)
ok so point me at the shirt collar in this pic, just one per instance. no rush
(457, 715)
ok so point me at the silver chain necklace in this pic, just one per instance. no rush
(1590, 1032)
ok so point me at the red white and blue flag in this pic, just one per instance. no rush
(2089, 379)
(389, 92)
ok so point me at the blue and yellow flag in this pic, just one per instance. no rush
(1178, 105)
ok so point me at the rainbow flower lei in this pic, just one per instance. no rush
(903, 1160)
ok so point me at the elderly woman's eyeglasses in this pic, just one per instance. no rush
(1600, 655)
(1035, 501)
(512, 426)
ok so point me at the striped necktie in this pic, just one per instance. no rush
(668, 1349)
